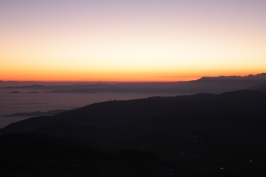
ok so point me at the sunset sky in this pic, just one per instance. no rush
(137, 40)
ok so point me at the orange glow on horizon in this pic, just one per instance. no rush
(122, 41)
(116, 77)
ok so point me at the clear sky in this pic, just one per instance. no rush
(136, 40)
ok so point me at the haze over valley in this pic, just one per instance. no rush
(24, 99)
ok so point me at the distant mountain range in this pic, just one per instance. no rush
(261, 76)
(202, 85)
(35, 114)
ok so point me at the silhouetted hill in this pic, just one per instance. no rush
(39, 155)
(109, 113)
(194, 133)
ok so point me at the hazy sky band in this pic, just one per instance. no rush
(130, 40)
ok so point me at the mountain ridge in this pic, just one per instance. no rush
(112, 112)
(199, 134)
(205, 84)
(256, 76)
(253, 76)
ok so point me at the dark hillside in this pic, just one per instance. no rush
(195, 134)
(39, 155)
(110, 113)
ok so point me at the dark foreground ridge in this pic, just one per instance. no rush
(195, 135)
(38, 155)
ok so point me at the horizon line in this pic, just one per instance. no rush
(124, 81)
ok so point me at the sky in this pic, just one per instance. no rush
(136, 40)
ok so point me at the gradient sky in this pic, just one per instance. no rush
(120, 40)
